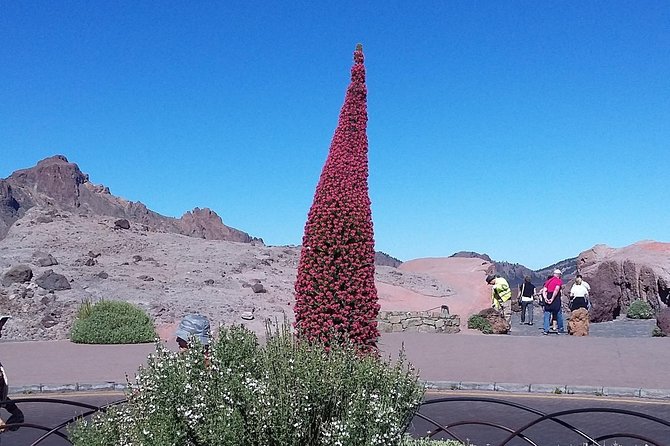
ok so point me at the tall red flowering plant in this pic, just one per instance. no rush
(336, 298)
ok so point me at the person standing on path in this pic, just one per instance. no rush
(526, 293)
(501, 296)
(553, 302)
(579, 295)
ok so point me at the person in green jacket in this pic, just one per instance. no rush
(501, 296)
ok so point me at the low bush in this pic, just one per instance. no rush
(284, 393)
(657, 333)
(640, 309)
(111, 322)
(479, 322)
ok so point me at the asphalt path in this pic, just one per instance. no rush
(463, 407)
(51, 413)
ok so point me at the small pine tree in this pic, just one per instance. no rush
(336, 298)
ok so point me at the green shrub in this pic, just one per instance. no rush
(285, 393)
(657, 333)
(479, 322)
(640, 309)
(111, 322)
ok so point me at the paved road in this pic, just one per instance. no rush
(547, 433)
(51, 414)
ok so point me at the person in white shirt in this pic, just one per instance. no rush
(579, 294)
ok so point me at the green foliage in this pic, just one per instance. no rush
(657, 333)
(640, 309)
(479, 322)
(85, 308)
(286, 393)
(111, 322)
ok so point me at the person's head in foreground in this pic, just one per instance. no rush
(193, 325)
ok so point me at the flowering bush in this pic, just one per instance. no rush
(286, 393)
(336, 298)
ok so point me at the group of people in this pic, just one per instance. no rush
(549, 297)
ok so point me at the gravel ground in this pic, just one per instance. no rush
(618, 328)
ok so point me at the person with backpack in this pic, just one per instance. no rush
(526, 293)
(501, 296)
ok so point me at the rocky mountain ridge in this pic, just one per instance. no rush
(515, 272)
(57, 184)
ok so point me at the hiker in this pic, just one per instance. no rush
(543, 301)
(579, 294)
(552, 306)
(194, 327)
(501, 296)
(16, 415)
(526, 293)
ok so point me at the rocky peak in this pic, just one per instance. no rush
(56, 183)
(53, 180)
(205, 223)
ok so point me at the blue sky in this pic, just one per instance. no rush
(526, 130)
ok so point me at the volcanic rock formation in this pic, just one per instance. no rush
(619, 276)
(58, 185)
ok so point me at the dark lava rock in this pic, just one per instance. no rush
(122, 223)
(17, 274)
(52, 281)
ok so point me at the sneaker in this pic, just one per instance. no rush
(545, 333)
(530, 323)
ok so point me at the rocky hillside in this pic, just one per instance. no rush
(57, 184)
(51, 261)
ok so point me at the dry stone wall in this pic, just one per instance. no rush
(418, 321)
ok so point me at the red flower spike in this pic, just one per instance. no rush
(336, 299)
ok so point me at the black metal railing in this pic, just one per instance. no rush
(436, 419)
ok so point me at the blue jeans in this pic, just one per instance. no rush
(559, 319)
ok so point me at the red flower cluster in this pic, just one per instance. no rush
(336, 298)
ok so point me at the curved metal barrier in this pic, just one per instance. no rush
(443, 430)
(54, 430)
(438, 429)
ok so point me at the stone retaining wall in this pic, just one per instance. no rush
(421, 321)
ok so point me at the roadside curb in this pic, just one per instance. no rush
(557, 389)
(109, 386)
(562, 389)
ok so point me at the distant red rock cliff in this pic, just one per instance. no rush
(619, 276)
